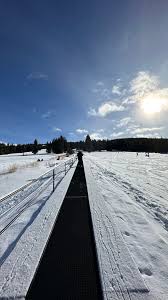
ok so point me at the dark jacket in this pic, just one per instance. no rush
(80, 154)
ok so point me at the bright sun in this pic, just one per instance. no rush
(151, 105)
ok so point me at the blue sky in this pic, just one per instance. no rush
(78, 67)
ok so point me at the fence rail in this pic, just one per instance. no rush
(61, 168)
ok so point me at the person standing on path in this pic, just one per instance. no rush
(80, 162)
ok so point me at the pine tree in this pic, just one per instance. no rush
(35, 147)
(48, 147)
(88, 144)
(59, 145)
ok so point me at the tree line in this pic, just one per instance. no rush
(158, 145)
(60, 145)
(20, 148)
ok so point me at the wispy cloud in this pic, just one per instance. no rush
(148, 135)
(117, 134)
(145, 91)
(37, 76)
(143, 83)
(105, 109)
(81, 131)
(144, 130)
(124, 122)
(56, 129)
(47, 114)
(97, 136)
(116, 90)
(100, 83)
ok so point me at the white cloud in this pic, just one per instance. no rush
(97, 136)
(145, 90)
(148, 135)
(56, 129)
(117, 134)
(92, 112)
(116, 90)
(37, 76)
(143, 130)
(101, 91)
(105, 109)
(81, 131)
(143, 83)
(123, 122)
(131, 128)
(129, 100)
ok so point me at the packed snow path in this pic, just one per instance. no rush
(68, 268)
(129, 221)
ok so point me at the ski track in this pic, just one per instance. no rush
(148, 197)
(135, 196)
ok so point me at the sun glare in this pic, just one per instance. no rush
(151, 105)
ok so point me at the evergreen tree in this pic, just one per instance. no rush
(59, 145)
(35, 147)
(48, 147)
(88, 144)
(69, 149)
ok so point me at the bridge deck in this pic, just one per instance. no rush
(68, 268)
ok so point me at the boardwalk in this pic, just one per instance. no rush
(68, 268)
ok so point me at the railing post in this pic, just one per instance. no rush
(53, 179)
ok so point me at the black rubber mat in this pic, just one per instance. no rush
(68, 268)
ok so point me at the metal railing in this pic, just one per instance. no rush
(63, 169)
(59, 170)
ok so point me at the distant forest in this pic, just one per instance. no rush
(60, 145)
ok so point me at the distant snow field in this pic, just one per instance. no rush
(135, 194)
(18, 169)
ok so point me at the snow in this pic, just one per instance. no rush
(26, 168)
(23, 243)
(128, 200)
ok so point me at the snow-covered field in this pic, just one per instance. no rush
(135, 200)
(17, 170)
(129, 205)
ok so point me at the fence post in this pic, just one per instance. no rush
(65, 168)
(53, 179)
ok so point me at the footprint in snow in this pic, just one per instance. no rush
(126, 233)
(145, 271)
